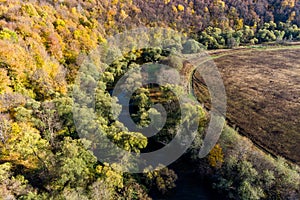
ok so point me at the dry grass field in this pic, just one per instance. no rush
(263, 91)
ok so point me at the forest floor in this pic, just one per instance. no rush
(263, 96)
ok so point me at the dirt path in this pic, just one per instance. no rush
(263, 90)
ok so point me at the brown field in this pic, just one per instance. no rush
(263, 91)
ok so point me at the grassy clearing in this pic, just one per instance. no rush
(263, 90)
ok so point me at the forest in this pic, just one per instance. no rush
(43, 46)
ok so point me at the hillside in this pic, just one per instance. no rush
(52, 128)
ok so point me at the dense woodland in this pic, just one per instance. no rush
(41, 48)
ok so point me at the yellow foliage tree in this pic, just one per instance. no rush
(4, 82)
(219, 3)
(19, 65)
(240, 24)
(167, 1)
(292, 16)
(24, 146)
(206, 9)
(288, 3)
(123, 14)
(216, 156)
(111, 176)
(174, 8)
(180, 7)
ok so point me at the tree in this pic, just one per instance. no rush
(163, 179)
(43, 116)
(24, 146)
(73, 167)
(216, 156)
(192, 46)
(211, 37)
(240, 176)
(5, 128)
(12, 186)
(247, 191)
(143, 103)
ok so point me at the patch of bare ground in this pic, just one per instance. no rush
(263, 91)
